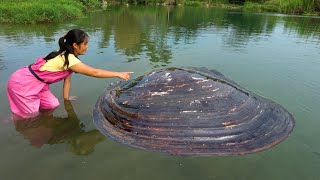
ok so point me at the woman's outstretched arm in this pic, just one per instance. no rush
(98, 73)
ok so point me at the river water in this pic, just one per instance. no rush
(273, 55)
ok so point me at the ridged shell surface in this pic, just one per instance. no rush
(190, 111)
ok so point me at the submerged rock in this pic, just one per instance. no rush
(190, 111)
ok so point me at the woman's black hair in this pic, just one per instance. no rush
(66, 44)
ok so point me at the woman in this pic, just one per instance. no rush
(28, 87)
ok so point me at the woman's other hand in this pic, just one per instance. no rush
(71, 98)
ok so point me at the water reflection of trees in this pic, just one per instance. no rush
(303, 26)
(150, 31)
(244, 28)
(153, 32)
(23, 35)
(48, 129)
(136, 33)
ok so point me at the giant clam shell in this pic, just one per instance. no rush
(190, 111)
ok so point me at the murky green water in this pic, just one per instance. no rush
(272, 55)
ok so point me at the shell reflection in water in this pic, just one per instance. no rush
(190, 111)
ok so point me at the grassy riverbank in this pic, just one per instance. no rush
(43, 11)
(306, 7)
(46, 11)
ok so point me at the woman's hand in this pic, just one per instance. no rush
(124, 75)
(71, 98)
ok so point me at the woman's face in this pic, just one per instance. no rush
(81, 48)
